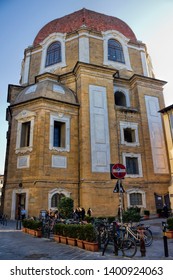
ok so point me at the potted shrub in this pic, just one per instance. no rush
(146, 214)
(25, 225)
(66, 206)
(169, 232)
(90, 238)
(58, 232)
(37, 226)
(80, 236)
(31, 227)
(131, 215)
(72, 231)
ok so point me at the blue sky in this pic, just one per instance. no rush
(20, 21)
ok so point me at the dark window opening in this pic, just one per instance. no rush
(135, 199)
(115, 51)
(25, 134)
(132, 165)
(56, 199)
(59, 134)
(53, 53)
(120, 98)
(129, 135)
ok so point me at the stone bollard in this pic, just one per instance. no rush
(142, 241)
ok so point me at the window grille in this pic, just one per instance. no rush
(115, 51)
(53, 54)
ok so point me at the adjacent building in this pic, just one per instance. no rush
(167, 114)
(87, 98)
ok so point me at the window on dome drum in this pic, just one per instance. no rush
(135, 199)
(25, 134)
(132, 165)
(53, 54)
(115, 51)
(129, 135)
(120, 98)
(59, 134)
(56, 199)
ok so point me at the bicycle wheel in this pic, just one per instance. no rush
(148, 237)
(128, 247)
(105, 246)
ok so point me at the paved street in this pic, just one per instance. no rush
(16, 245)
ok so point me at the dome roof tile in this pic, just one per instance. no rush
(90, 19)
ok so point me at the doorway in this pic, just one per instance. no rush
(20, 203)
(160, 200)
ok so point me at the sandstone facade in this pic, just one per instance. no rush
(105, 110)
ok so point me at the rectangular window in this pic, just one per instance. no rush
(129, 135)
(132, 165)
(25, 134)
(59, 134)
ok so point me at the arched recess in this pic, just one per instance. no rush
(54, 195)
(120, 99)
(136, 197)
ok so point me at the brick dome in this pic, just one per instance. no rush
(92, 20)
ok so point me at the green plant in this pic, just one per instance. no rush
(66, 206)
(72, 230)
(32, 224)
(59, 228)
(37, 225)
(170, 223)
(146, 212)
(90, 233)
(131, 215)
(81, 232)
(25, 223)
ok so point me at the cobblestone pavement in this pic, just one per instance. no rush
(16, 245)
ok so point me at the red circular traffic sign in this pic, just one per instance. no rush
(118, 170)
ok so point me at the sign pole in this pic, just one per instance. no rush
(120, 202)
(118, 171)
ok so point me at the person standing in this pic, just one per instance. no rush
(23, 213)
(89, 212)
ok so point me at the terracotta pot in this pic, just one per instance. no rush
(80, 244)
(71, 241)
(31, 231)
(24, 230)
(63, 239)
(57, 238)
(91, 246)
(169, 233)
(38, 233)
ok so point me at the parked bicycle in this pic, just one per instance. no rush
(134, 232)
(117, 238)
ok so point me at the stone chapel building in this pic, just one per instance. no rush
(87, 98)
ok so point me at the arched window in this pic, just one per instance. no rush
(53, 54)
(120, 98)
(135, 199)
(115, 51)
(56, 199)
